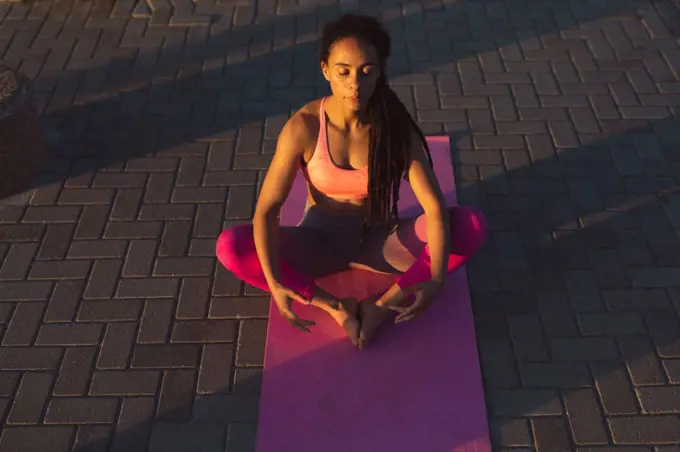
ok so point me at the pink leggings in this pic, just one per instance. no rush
(318, 247)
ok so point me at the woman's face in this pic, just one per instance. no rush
(352, 71)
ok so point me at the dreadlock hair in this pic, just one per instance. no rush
(390, 122)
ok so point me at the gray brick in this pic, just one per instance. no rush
(510, 432)
(614, 388)
(672, 367)
(664, 327)
(583, 349)
(116, 347)
(555, 375)
(661, 277)
(644, 366)
(170, 436)
(526, 402)
(165, 356)
(498, 363)
(135, 420)
(238, 307)
(156, 320)
(56, 241)
(176, 396)
(250, 350)
(645, 430)
(242, 437)
(81, 410)
(30, 399)
(95, 249)
(585, 417)
(248, 380)
(551, 433)
(216, 368)
(43, 438)
(24, 324)
(659, 400)
(74, 374)
(607, 324)
(636, 299)
(226, 408)
(147, 288)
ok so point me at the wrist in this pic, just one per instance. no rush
(437, 280)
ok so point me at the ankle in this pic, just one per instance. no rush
(325, 300)
(393, 296)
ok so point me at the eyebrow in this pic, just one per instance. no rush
(370, 63)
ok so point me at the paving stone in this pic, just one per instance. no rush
(176, 396)
(241, 436)
(74, 373)
(660, 399)
(585, 417)
(31, 398)
(81, 410)
(645, 429)
(525, 402)
(44, 438)
(168, 437)
(250, 350)
(124, 382)
(510, 432)
(134, 424)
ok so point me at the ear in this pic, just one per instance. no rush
(324, 71)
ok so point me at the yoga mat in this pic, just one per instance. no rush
(417, 387)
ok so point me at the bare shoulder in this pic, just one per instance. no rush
(303, 125)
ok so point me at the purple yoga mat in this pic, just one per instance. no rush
(417, 387)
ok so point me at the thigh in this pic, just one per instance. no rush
(395, 251)
(312, 252)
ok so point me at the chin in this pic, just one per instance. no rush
(356, 105)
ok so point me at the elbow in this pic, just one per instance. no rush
(264, 214)
(437, 210)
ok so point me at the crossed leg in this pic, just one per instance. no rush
(405, 252)
(305, 254)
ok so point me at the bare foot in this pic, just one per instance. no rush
(346, 315)
(372, 317)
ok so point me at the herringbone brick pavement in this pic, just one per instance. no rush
(120, 332)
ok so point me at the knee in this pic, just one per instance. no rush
(469, 229)
(233, 244)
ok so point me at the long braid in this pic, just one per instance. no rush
(389, 152)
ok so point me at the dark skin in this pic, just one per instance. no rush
(352, 70)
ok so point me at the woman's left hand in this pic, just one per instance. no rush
(425, 292)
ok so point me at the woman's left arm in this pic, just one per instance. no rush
(429, 194)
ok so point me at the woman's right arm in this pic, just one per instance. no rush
(275, 189)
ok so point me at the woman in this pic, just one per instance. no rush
(353, 147)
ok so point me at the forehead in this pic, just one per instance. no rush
(352, 51)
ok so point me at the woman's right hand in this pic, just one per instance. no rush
(282, 296)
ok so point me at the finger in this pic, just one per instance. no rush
(406, 314)
(301, 324)
(399, 309)
(406, 319)
(297, 297)
(296, 321)
(302, 328)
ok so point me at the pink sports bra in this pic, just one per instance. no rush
(327, 177)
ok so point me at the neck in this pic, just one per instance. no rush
(345, 118)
